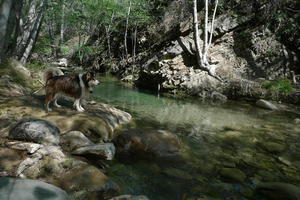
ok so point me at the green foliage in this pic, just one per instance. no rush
(36, 66)
(42, 46)
(69, 160)
(280, 86)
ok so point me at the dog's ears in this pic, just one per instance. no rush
(90, 74)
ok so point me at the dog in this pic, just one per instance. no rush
(75, 86)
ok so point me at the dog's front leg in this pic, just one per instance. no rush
(81, 105)
(77, 105)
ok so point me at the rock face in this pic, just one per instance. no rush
(278, 191)
(35, 130)
(106, 151)
(25, 189)
(266, 105)
(155, 144)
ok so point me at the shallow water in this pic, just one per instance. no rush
(215, 136)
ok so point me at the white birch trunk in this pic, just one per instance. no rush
(196, 34)
(126, 30)
(212, 27)
(62, 25)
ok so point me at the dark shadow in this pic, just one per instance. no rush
(42, 193)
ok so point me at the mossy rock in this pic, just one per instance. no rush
(272, 147)
(233, 174)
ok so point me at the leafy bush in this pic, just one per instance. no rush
(35, 65)
(283, 86)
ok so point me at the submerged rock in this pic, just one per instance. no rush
(266, 104)
(106, 151)
(279, 191)
(25, 189)
(157, 144)
(35, 130)
(233, 174)
(88, 182)
(272, 147)
(74, 139)
(130, 197)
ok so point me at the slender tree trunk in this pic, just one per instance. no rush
(30, 26)
(107, 30)
(62, 25)
(211, 28)
(196, 35)
(32, 40)
(5, 13)
(126, 30)
(134, 41)
(201, 53)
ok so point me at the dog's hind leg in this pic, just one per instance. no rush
(77, 105)
(48, 99)
(81, 106)
(55, 101)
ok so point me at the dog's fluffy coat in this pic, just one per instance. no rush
(70, 85)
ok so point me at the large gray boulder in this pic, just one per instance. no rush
(25, 189)
(35, 130)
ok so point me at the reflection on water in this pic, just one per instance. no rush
(178, 112)
(216, 136)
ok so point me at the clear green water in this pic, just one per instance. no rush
(214, 136)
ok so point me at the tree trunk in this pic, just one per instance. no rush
(126, 30)
(201, 53)
(134, 41)
(62, 25)
(32, 40)
(212, 27)
(196, 35)
(30, 26)
(5, 13)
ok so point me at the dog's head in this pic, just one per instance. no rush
(91, 81)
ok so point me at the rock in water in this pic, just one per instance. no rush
(154, 144)
(279, 191)
(266, 104)
(25, 189)
(106, 151)
(233, 174)
(73, 140)
(35, 130)
(130, 197)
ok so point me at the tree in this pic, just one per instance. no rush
(9, 12)
(30, 24)
(202, 52)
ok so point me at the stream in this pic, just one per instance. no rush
(256, 145)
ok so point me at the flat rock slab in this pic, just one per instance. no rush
(106, 151)
(25, 189)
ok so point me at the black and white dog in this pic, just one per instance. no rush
(75, 86)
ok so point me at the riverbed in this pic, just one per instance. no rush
(228, 148)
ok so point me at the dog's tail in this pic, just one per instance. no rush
(51, 72)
